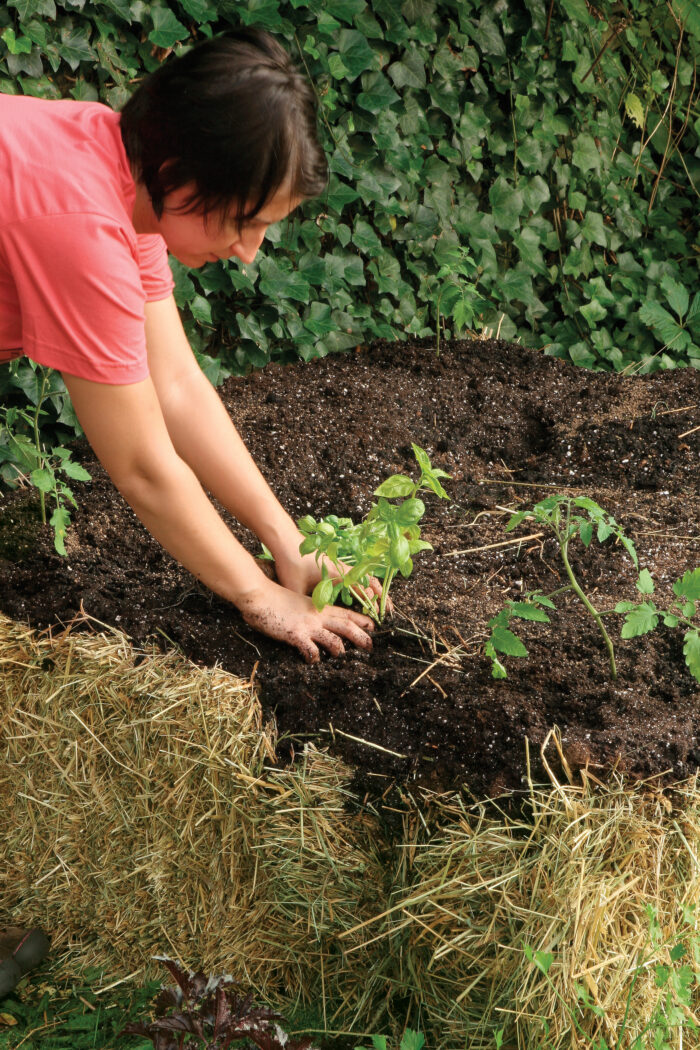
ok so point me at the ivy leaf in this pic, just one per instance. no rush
(586, 155)
(356, 54)
(691, 651)
(345, 10)
(377, 94)
(75, 48)
(167, 30)
(276, 282)
(27, 9)
(506, 204)
(21, 46)
(640, 620)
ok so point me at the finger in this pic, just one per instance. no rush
(353, 633)
(329, 641)
(307, 649)
(360, 619)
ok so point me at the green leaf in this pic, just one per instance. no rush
(410, 511)
(654, 315)
(585, 531)
(282, 283)
(75, 471)
(645, 583)
(586, 155)
(399, 552)
(322, 593)
(396, 486)
(27, 9)
(506, 642)
(75, 48)
(43, 478)
(21, 46)
(506, 204)
(412, 1040)
(167, 30)
(377, 94)
(527, 611)
(634, 109)
(356, 54)
(640, 620)
(60, 520)
(688, 586)
(676, 295)
(691, 650)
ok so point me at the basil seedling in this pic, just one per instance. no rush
(381, 545)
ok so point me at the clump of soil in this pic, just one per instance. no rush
(511, 426)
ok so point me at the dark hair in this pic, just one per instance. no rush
(235, 117)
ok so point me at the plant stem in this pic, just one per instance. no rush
(37, 442)
(564, 544)
(386, 583)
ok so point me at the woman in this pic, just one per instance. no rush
(212, 149)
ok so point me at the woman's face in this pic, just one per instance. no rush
(195, 240)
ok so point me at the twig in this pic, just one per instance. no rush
(503, 543)
(359, 740)
(691, 431)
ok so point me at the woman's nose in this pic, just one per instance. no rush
(246, 247)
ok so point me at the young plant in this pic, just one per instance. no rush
(559, 514)
(26, 459)
(381, 545)
(643, 617)
(458, 297)
(210, 1014)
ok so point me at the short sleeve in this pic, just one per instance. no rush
(156, 275)
(81, 296)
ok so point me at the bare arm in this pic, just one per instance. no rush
(127, 430)
(204, 436)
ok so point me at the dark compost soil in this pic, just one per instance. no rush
(510, 426)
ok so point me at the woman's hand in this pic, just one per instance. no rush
(291, 617)
(301, 573)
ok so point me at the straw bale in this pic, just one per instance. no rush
(146, 816)
(143, 813)
(574, 876)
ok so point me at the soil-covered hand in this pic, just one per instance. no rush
(301, 573)
(291, 617)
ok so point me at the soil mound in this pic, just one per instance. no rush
(511, 426)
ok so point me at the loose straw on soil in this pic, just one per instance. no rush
(143, 814)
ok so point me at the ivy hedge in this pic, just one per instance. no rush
(555, 141)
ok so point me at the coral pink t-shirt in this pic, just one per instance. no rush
(74, 274)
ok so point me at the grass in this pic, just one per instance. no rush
(46, 1012)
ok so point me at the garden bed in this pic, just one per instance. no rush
(511, 426)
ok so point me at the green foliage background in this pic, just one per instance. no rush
(557, 140)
